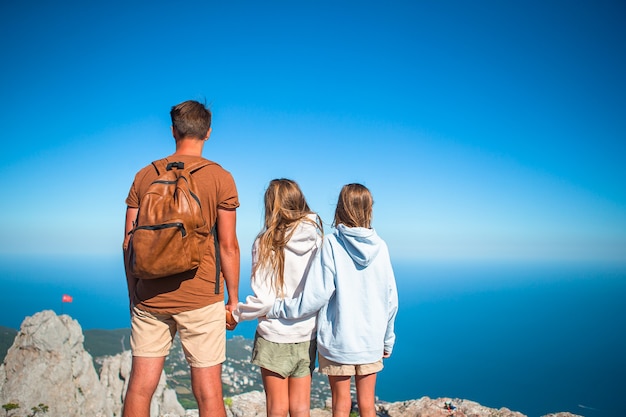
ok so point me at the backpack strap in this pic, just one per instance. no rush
(160, 166)
(196, 166)
(218, 266)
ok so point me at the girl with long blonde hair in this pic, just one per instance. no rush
(281, 258)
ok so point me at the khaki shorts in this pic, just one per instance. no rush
(328, 367)
(202, 334)
(295, 360)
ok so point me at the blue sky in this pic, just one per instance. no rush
(486, 130)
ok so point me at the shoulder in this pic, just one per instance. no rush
(310, 223)
(380, 241)
(332, 238)
(330, 243)
(214, 169)
(147, 173)
(147, 168)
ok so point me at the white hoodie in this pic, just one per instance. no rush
(352, 289)
(299, 252)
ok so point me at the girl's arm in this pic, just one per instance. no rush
(318, 288)
(390, 336)
(259, 304)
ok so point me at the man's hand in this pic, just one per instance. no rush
(231, 323)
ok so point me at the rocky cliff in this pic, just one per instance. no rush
(48, 364)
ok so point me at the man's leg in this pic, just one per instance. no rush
(206, 384)
(203, 336)
(144, 378)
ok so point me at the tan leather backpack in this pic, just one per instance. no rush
(171, 233)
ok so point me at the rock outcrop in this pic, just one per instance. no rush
(48, 364)
(443, 407)
(250, 404)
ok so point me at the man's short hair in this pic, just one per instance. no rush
(191, 119)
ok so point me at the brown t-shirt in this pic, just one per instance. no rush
(194, 289)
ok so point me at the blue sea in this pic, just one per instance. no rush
(535, 338)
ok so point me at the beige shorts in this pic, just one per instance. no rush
(328, 367)
(202, 334)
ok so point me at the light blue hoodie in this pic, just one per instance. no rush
(351, 287)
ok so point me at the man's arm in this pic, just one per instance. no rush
(131, 217)
(229, 254)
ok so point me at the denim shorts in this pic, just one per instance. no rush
(286, 359)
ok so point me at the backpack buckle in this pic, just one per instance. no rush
(177, 165)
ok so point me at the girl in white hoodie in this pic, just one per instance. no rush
(281, 255)
(352, 289)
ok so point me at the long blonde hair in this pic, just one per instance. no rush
(354, 206)
(285, 207)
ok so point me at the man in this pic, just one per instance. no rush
(185, 303)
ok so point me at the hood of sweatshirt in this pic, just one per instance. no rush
(305, 237)
(362, 244)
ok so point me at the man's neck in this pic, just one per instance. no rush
(190, 147)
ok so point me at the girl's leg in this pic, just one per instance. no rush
(300, 396)
(366, 394)
(276, 393)
(340, 390)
